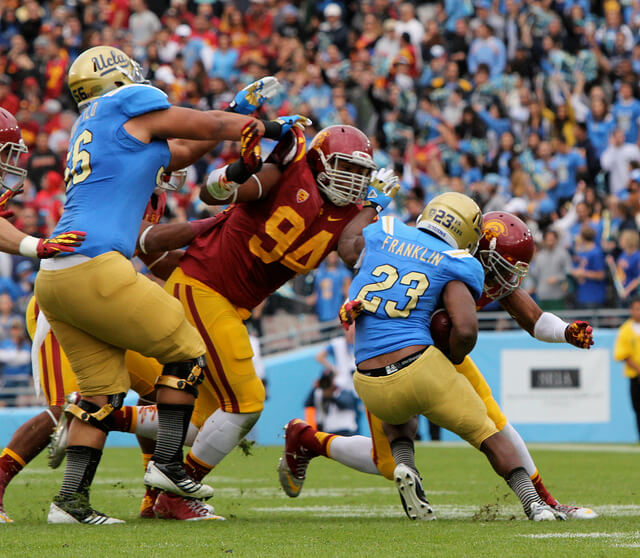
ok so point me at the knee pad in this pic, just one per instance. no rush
(183, 376)
(98, 417)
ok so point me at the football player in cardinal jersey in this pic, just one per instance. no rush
(285, 217)
(505, 250)
(12, 178)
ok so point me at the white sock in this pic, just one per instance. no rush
(220, 434)
(147, 425)
(354, 452)
(515, 438)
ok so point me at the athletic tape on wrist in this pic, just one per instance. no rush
(143, 236)
(550, 328)
(29, 246)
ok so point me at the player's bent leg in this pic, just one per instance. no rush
(506, 462)
(177, 388)
(381, 450)
(92, 421)
(405, 475)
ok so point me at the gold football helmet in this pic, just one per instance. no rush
(455, 218)
(99, 70)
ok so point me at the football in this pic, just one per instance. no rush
(441, 329)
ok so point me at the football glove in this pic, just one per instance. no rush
(65, 242)
(4, 199)
(349, 311)
(276, 129)
(579, 334)
(250, 161)
(253, 96)
(383, 186)
(155, 208)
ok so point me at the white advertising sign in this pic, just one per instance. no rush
(555, 386)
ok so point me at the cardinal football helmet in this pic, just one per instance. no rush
(99, 70)
(341, 159)
(11, 147)
(455, 218)
(506, 248)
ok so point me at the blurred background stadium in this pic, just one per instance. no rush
(528, 106)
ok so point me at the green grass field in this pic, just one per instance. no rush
(344, 513)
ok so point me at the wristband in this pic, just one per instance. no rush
(29, 246)
(237, 173)
(272, 129)
(143, 236)
(550, 328)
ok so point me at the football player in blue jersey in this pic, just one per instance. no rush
(96, 303)
(404, 275)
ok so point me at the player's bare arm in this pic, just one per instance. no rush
(383, 186)
(461, 307)
(546, 326)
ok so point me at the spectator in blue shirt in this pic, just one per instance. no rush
(336, 409)
(487, 49)
(626, 113)
(628, 263)
(317, 94)
(566, 164)
(589, 270)
(600, 125)
(331, 284)
(224, 59)
(15, 357)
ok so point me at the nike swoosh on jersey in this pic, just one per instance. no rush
(334, 218)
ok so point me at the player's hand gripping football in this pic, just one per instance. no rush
(4, 199)
(64, 242)
(383, 186)
(579, 334)
(254, 95)
(155, 208)
(349, 311)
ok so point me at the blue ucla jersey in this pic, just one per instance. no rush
(401, 278)
(110, 175)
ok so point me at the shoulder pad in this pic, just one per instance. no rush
(138, 99)
(290, 149)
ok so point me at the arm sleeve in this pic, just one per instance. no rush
(139, 99)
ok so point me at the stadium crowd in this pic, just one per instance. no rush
(531, 106)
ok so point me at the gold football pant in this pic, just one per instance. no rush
(382, 456)
(58, 380)
(101, 307)
(231, 382)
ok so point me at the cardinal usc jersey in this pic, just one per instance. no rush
(256, 247)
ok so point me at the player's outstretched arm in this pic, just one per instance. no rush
(461, 307)
(14, 241)
(546, 326)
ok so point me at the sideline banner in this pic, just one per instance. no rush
(555, 386)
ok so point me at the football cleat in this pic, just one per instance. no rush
(173, 478)
(4, 518)
(58, 443)
(543, 512)
(575, 512)
(149, 498)
(414, 501)
(292, 467)
(76, 509)
(171, 506)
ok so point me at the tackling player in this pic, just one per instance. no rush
(404, 274)
(505, 251)
(96, 303)
(286, 217)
